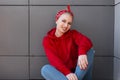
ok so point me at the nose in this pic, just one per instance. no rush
(66, 24)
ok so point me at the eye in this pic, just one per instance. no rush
(70, 23)
(64, 21)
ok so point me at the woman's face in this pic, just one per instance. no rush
(64, 23)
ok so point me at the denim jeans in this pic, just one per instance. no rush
(51, 73)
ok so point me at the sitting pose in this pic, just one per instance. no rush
(69, 52)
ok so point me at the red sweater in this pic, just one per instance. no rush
(62, 52)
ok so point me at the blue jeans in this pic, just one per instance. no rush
(51, 73)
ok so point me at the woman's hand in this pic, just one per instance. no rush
(82, 62)
(72, 76)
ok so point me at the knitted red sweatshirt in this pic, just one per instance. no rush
(62, 52)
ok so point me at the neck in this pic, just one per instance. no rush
(58, 34)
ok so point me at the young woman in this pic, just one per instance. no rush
(69, 52)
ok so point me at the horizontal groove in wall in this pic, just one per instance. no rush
(103, 56)
(22, 55)
(14, 4)
(51, 5)
(14, 56)
(44, 56)
(72, 5)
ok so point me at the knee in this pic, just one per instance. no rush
(44, 69)
(92, 50)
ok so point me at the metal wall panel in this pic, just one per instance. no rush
(13, 30)
(42, 20)
(13, 68)
(117, 41)
(93, 21)
(116, 69)
(117, 31)
(73, 2)
(103, 68)
(36, 64)
(13, 2)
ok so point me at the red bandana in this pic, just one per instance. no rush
(63, 11)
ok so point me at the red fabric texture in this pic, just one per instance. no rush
(62, 52)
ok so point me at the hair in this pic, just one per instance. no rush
(69, 14)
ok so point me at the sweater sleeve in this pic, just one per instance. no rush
(83, 42)
(54, 60)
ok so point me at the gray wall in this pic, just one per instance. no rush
(117, 41)
(23, 23)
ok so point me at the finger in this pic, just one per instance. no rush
(71, 77)
(79, 63)
(86, 61)
(85, 65)
(82, 64)
(75, 77)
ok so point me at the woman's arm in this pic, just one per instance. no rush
(84, 45)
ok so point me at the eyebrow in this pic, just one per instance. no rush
(66, 20)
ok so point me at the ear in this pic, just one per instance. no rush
(56, 22)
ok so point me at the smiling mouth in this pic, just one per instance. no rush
(64, 29)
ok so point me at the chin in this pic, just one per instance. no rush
(64, 31)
